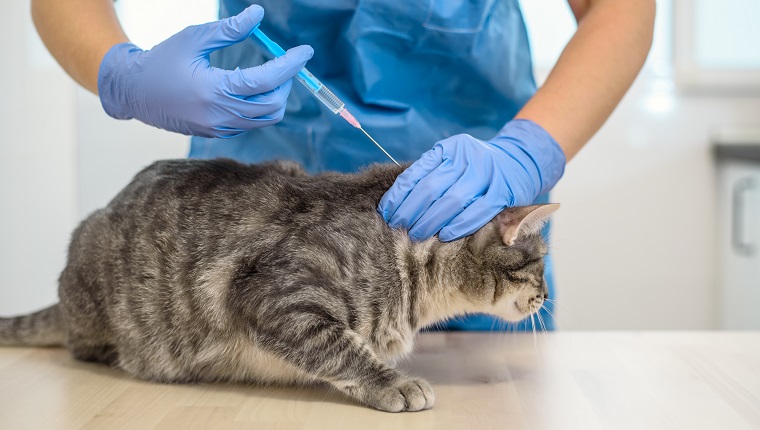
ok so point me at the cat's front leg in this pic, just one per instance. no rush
(404, 394)
(336, 354)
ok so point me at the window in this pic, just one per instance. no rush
(717, 44)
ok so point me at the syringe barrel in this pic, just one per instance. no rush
(304, 76)
(321, 92)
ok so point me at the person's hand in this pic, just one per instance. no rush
(174, 87)
(462, 183)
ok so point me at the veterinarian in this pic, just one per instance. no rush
(454, 76)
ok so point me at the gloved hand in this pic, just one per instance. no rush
(174, 87)
(462, 183)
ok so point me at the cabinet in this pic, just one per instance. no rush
(739, 233)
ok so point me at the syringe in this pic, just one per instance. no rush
(317, 88)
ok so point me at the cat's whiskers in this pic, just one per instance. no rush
(495, 321)
(499, 331)
(554, 303)
(565, 307)
(556, 321)
(541, 323)
(533, 324)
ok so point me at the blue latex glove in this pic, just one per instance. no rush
(174, 87)
(463, 183)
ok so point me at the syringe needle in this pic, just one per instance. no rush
(318, 89)
(378, 145)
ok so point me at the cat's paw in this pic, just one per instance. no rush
(408, 394)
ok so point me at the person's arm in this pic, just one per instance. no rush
(78, 33)
(594, 71)
(462, 183)
(173, 85)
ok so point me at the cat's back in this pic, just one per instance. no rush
(220, 183)
(162, 269)
(178, 215)
(200, 202)
(201, 180)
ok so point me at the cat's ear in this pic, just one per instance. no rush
(514, 222)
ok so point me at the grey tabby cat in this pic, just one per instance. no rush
(202, 271)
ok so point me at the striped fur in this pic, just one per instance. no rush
(42, 328)
(204, 271)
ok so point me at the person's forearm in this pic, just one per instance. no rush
(78, 33)
(594, 71)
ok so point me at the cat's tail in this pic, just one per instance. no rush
(42, 328)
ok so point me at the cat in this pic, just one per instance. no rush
(213, 270)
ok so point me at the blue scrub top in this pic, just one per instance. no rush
(412, 72)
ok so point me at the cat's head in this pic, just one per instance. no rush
(509, 253)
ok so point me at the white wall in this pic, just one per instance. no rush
(37, 165)
(633, 241)
(111, 152)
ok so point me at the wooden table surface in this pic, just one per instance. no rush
(565, 380)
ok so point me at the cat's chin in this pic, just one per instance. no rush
(515, 313)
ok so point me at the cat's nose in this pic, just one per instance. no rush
(546, 295)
